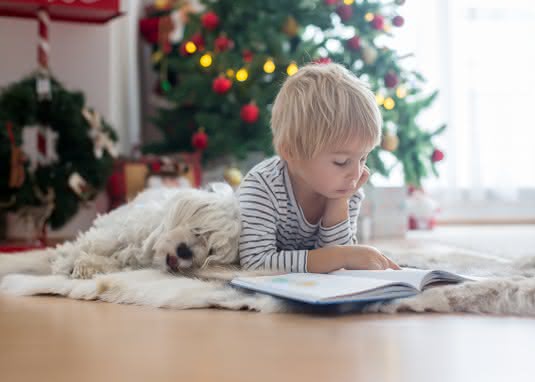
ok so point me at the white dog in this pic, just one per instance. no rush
(185, 231)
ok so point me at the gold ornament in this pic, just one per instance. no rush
(233, 176)
(369, 55)
(290, 27)
(390, 142)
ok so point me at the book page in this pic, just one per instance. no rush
(414, 277)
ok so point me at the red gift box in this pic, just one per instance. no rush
(97, 11)
(130, 176)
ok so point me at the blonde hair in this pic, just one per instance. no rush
(322, 106)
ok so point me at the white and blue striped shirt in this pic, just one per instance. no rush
(275, 233)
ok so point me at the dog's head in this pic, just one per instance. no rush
(200, 228)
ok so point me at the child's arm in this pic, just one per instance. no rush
(339, 222)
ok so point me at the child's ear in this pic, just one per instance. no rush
(284, 153)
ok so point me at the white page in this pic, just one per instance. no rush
(311, 285)
(410, 276)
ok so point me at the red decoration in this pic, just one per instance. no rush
(398, 21)
(391, 79)
(199, 140)
(198, 40)
(247, 55)
(323, 60)
(73, 10)
(249, 113)
(223, 43)
(210, 20)
(378, 22)
(149, 29)
(345, 12)
(221, 85)
(354, 43)
(437, 155)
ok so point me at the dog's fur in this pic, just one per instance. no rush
(155, 230)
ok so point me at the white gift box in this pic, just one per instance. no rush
(383, 213)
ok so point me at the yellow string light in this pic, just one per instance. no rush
(230, 73)
(401, 92)
(349, 2)
(269, 66)
(205, 60)
(191, 47)
(368, 16)
(380, 99)
(292, 69)
(389, 104)
(241, 75)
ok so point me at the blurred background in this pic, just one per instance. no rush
(101, 99)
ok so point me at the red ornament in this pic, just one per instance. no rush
(249, 113)
(210, 20)
(345, 12)
(353, 43)
(391, 79)
(331, 2)
(199, 140)
(149, 29)
(378, 22)
(247, 55)
(322, 60)
(398, 21)
(221, 85)
(198, 40)
(223, 43)
(437, 155)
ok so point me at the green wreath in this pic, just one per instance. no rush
(74, 147)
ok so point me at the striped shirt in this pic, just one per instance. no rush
(275, 233)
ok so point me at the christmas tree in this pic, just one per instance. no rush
(220, 66)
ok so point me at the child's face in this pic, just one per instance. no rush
(334, 173)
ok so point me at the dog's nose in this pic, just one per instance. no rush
(183, 252)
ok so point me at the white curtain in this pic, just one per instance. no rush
(481, 56)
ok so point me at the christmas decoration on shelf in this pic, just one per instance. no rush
(235, 51)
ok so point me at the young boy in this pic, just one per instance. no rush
(299, 209)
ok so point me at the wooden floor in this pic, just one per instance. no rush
(56, 339)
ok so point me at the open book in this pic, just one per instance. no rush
(349, 286)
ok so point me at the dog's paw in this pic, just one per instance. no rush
(84, 269)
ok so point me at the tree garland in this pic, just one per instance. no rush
(64, 173)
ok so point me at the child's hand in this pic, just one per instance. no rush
(366, 257)
(337, 210)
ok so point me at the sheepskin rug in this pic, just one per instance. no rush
(509, 288)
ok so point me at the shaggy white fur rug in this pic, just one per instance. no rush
(510, 288)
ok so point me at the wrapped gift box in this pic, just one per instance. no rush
(383, 213)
